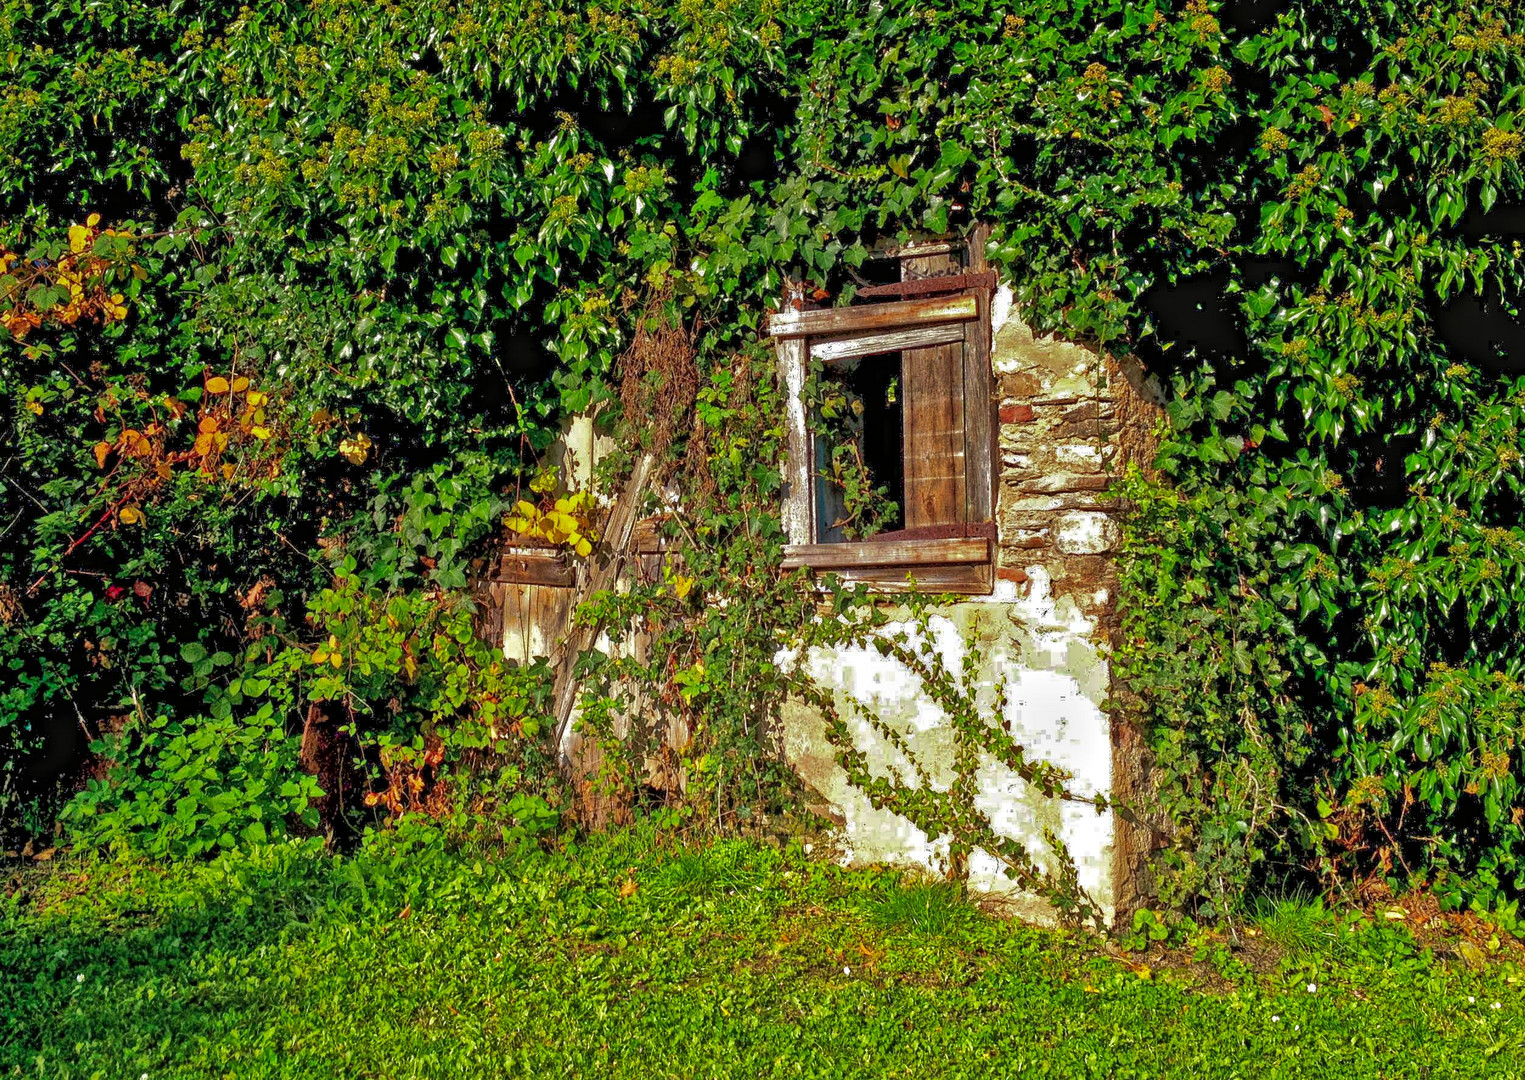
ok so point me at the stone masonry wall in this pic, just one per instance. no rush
(1070, 420)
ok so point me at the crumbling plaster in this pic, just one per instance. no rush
(1069, 418)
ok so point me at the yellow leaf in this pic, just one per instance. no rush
(320, 656)
(217, 385)
(526, 509)
(93, 220)
(260, 432)
(336, 660)
(544, 482)
(355, 448)
(78, 234)
(240, 384)
(130, 515)
(227, 471)
(257, 397)
(101, 450)
(583, 548)
(682, 586)
(203, 444)
(35, 407)
(221, 440)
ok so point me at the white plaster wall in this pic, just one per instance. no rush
(1041, 650)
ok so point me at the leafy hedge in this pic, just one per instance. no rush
(425, 232)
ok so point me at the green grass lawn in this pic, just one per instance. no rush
(623, 959)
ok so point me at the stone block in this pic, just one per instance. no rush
(1062, 483)
(1085, 532)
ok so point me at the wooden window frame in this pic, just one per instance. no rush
(940, 306)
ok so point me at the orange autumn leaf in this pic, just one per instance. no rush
(102, 449)
(203, 443)
(240, 384)
(207, 425)
(217, 385)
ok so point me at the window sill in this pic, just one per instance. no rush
(955, 565)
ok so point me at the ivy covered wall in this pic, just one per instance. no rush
(423, 232)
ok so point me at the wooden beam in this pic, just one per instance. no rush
(604, 573)
(848, 348)
(523, 568)
(899, 315)
(890, 553)
(937, 283)
(799, 511)
(968, 579)
(915, 249)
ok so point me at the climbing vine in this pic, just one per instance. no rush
(426, 234)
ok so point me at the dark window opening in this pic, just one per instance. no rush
(860, 463)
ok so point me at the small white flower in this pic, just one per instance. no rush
(1313, 988)
(80, 977)
(849, 971)
(143, 1077)
(1297, 1027)
(1496, 1005)
(1275, 1019)
(1471, 1000)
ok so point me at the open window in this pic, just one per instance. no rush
(903, 487)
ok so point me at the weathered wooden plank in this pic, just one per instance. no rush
(548, 619)
(856, 345)
(916, 249)
(603, 574)
(981, 426)
(900, 314)
(799, 523)
(973, 579)
(515, 640)
(487, 595)
(984, 279)
(933, 436)
(933, 382)
(538, 568)
(969, 579)
(647, 536)
(893, 553)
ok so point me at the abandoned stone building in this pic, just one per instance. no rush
(1001, 448)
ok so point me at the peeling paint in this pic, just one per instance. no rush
(1054, 683)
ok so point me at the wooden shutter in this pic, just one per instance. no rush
(933, 386)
